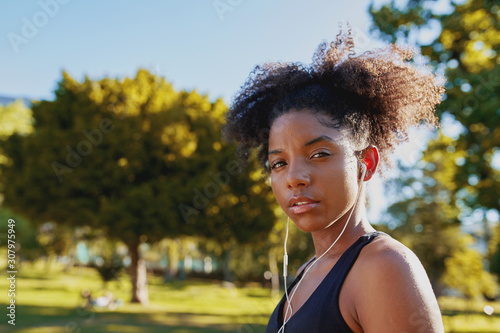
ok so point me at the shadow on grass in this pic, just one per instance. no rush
(35, 319)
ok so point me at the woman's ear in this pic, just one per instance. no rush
(370, 160)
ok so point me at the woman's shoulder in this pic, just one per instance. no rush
(390, 279)
(387, 259)
(385, 250)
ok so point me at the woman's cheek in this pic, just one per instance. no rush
(278, 191)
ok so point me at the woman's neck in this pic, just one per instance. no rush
(357, 226)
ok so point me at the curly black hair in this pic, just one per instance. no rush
(379, 95)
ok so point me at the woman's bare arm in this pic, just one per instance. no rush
(395, 293)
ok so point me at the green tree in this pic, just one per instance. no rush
(465, 273)
(27, 244)
(426, 217)
(108, 259)
(16, 118)
(494, 251)
(467, 50)
(136, 159)
(56, 240)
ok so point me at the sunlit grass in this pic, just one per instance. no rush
(49, 301)
(461, 315)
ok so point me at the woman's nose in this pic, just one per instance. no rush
(298, 175)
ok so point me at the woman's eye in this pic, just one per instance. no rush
(277, 164)
(320, 154)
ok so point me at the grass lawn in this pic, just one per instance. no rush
(49, 301)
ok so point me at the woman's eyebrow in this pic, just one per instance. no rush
(309, 143)
(274, 152)
(319, 139)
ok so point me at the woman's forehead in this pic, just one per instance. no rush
(308, 125)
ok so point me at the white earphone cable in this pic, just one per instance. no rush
(289, 299)
(285, 267)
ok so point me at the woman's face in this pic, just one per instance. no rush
(314, 172)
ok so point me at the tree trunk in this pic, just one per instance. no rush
(138, 275)
(172, 254)
(487, 238)
(71, 253)
(227, 268)
(273, 268)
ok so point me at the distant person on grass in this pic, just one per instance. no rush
(106, 301)
(322, 131)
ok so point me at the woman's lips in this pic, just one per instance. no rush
(303, 207)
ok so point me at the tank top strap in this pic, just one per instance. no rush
(321, 311)
(348, 258)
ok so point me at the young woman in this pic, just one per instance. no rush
(322, 131)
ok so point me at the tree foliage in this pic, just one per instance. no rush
(466, 50)
(14, 118)
(465, 272)
(426, 217)
(136, 159)
(28, 246)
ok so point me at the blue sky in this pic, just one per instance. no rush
(206, 45)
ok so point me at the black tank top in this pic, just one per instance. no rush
(321, 312)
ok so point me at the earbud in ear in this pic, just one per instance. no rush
(363, 171)
(368, 163)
